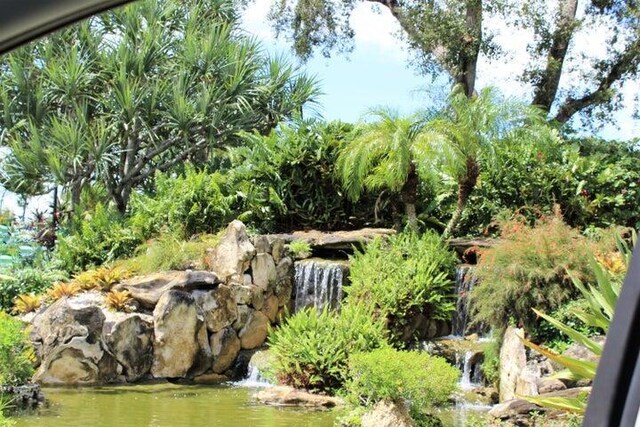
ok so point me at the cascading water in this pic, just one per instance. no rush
(318, 283)
(465, 281)
(253, 379)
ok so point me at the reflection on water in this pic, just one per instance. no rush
(166, 405)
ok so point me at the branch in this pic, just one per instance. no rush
(626, 63)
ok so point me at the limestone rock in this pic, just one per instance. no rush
(254, 332)
(67, 338)
(233, 253)
(210, 379)
(244, 312)
(388, 414)
(513, 408)
(513, 359)
(242, 294)
(285, 273)
(147, 290)
(527, 381)
(218, 307)
(179, 332)
(129, 337)
(270, 308)
(261, 243)
(225, 346)
(264, 271)
(257, 298)
(548, 385)
(289, 396)
(277, 250)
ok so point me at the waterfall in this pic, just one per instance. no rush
(318, 283)
(465, 281)
(469, 363)
(253, 378)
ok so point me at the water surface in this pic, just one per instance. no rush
(166, 405)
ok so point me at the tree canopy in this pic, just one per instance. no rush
(138, 90)
(452, 35)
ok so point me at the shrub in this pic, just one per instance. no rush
(100, 237)
(311, 349)
(404, 276)
(187, 204)
(16, 354)
(528, 269)
(601, 299)
(423, 380)
(28, 280)
(169, 252)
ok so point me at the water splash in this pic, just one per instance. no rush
(319, 283)
(254, 378)
(469, 363)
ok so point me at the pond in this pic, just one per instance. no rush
(166, 405)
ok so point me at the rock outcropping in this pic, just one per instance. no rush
(190, 324)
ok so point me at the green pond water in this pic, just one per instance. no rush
(166, 405)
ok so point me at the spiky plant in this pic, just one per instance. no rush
(63, 289)
(118, 300)
(26, 303)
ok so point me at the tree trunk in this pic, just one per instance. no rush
(472, 41)
(409, 194)
(54, 208)
(547, 89)
(465, 187)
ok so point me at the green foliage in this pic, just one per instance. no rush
(594, 183)
(101, 236)
(16, 355)
(300, 249)
(187, 204)
(311, 349)
(491, 362)
(404, 276)
(286, 180)
(425, 381)
(169, 252)
(528, 268)
(27, 280)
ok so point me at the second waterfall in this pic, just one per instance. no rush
(318, 283)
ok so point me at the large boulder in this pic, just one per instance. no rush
(232, 256)
(285, 273)
(181, 347)
(263, 269)
(513, 359)
(129, 337)
(66, 337)
(218, 307)
(225, 346)
(387, 413)
(147, 290)
(254, 332)
(270, 308)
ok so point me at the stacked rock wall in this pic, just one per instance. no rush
(189, 324)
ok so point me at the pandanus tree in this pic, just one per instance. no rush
(138, 90)
(387, 154)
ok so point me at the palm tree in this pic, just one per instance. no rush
(464, 133)
(386, 154)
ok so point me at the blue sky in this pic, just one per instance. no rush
(377, 73)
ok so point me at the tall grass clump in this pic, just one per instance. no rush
(529, 269)
(402, 277)
(312, 348)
